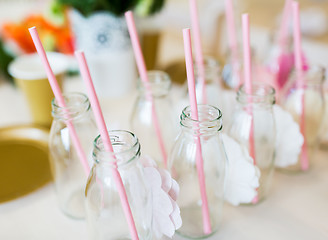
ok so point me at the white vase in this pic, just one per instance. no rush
(105, 40)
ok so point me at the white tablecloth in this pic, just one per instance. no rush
(297, 207)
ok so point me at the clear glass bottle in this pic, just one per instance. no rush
(68, 174)
(260, 104)
(212, 81)
(142, 121)
(182, 164)
(314, 108)
(105, 216)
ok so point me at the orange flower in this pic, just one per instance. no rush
(54, 38)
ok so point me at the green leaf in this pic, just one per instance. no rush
(56, 13)
(87, 7)
(5, 59)
(148, 7)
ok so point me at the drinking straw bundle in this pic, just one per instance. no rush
(194, 114)
(144, 78)
(99, 119)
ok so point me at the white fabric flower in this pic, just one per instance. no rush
(165, 191)
(289, 139)
(242, 176)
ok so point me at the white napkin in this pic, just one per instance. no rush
(242, 177)
(289, 139)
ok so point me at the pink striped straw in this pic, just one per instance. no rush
(194, 114)
(144, 77)
(248, 84)
(300, 79)
(106, 140)
(283, 31)
(59, 97)
(198, 48)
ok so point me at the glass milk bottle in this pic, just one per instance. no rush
(67, 170)
(182, 165)
(314, 108)
(142, 121)
(105, 216)
(212, 82)
(254, 112)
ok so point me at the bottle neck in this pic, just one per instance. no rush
(159, 84)
(126, 150)
(211, 70)
(261, 95)
(209, 120)
(77, 105)
(314, 77)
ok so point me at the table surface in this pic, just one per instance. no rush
(297, 207)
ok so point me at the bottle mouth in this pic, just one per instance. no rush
(260, 93)
(313, 75)
(209, 118)
(125, 145)
(210, 63)
(159, 83)
(76, 105)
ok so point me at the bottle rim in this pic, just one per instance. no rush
(100, 153)
(157, 79)
(72, 110)
(214, 115)
(313, 75)
(261, 93)
(209, 62)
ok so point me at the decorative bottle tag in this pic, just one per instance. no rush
(165, 191)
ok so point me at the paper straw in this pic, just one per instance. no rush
(106, 140)
(297, 44)
(230, 20)
(247, 54)
(283, 59)
(59, 97)
(248, 84)
(198, 48)
(283, 31)
(144, 78)
(194, 114)
(300, 80)
(232, 40)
